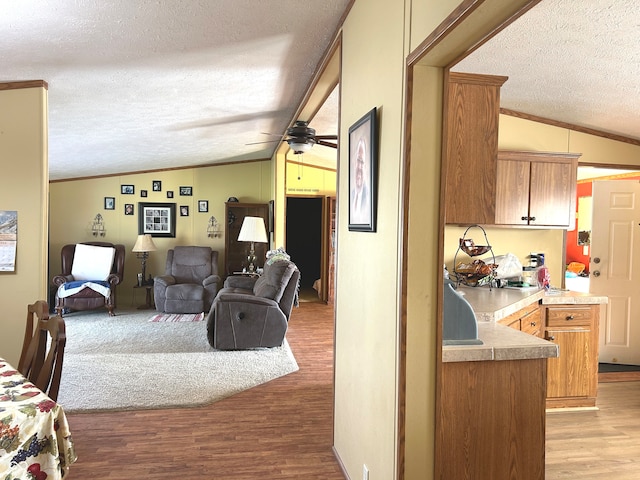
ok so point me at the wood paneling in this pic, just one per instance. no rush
(279, 430)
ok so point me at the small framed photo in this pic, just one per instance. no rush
(184, 210)
(157, 186)
(143, 193)
(128, 208)
(363, 171)
(186, 191)
(109, 203)
(203, 206)
(127, 189)
(169, 193)
(157, 219)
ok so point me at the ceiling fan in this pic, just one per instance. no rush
(301, 138)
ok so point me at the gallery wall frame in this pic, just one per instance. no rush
(109, 203)
(127, 189)
(157, 219)
(363, 173)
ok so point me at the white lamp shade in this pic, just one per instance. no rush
(144, 243)
(253, 230)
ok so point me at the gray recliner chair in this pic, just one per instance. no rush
(251, 312)
(190, 282)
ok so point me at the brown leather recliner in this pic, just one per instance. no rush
(87, 298)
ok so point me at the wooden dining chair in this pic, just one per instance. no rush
(43, 349)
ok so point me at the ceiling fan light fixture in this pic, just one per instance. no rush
(300, 145)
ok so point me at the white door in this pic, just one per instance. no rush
(615, 268)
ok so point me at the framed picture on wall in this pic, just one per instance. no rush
(127, 189)
(143, 193)
(157, 219)
(109, 203)
(184, 210)
(128, 208)
(363, 170)
(169, 193)
(186, 191)
(203, 206)
(157, 186)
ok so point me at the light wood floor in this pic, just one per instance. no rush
(280, 430)
(602, 444)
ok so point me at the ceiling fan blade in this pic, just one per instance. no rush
(326, 144)
(266, 141)
(326, 137)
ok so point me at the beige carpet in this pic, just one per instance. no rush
(126, 363)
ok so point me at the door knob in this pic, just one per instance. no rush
(596, 260)
(596, 273)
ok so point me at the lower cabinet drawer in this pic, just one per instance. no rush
(569, 316)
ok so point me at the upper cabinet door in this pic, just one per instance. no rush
(553, 193)
(472, 106)
(512, 197)
(536, 189)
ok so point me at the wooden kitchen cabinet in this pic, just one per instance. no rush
(527, 319)
(572, 378)
(492, 420)
(471, 147)
(536, 188)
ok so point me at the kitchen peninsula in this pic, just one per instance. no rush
(500, 390)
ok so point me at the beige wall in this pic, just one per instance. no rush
(23, 159)
(367, 302)
(74, 204)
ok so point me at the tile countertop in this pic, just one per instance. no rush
(491, 305)
(504, 343)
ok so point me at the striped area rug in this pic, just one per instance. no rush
(177, 317)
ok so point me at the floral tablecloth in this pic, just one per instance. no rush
(35, 442)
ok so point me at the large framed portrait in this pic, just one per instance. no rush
(363, 173)
(157, 219)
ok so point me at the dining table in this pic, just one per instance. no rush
(35, 441)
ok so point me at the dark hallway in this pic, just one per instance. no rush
(304, 237)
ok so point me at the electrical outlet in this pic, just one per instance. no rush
(365, 472)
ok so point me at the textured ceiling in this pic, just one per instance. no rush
(146, 84)
(576, 61)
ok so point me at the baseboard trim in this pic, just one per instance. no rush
(608, 377)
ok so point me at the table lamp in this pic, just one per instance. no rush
(144, 245)
(252, 230)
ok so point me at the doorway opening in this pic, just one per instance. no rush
(304, 241)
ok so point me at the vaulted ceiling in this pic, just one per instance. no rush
(142, 85)
(572, 61)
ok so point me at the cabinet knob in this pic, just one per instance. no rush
(569, 317)
(596, 273)
(524, 218)
(551, 338)
(533, 324)
(533, 219)
(596, 260)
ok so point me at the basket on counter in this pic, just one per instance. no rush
(474, 272)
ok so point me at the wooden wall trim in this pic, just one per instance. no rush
(449, 24)
(23, 84)
(138, 172)
(570, 126)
